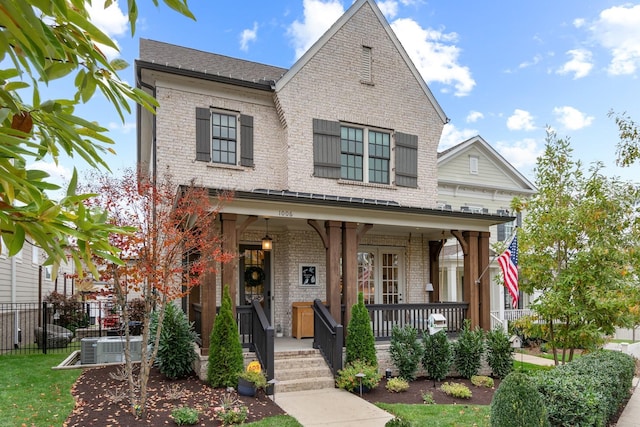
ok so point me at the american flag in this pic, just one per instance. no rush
(508, 261)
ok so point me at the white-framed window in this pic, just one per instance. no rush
(381, 275)
(48, 272)
(224, 138)
(473, 165)
(365, 162)
(35, 255)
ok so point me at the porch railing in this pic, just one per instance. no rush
(328, 336)
(385, 316)
(263, 340)
(243, 320)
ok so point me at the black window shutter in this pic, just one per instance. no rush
(246, 140)
(406, 160)
(326, 149)
(203, 134)
(501, 230)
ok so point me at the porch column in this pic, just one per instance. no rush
(207, 291)
(349, 268)
(333, 229)
(471, 273)
(452, 282)
(435, 247)
(230, 246)
(485, 281)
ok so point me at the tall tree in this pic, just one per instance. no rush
(628, 150)
(577, 249)
(175, 243)
(42, 42)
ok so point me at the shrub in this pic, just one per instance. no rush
(499, 353)
(175, 347)
(69, 310)
(230, 411)
(397, 422)
(437, 356)
(482, 381)
(256, 377)
(361, 345)
(185, 416)
(589, 390)
(347, 379)
(136, 310)
(468, 350)
(225, 351)
(517, 403)
(406, 352)
(456, 390)
(427, 398)
(397, 385)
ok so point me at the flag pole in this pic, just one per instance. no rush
(496, 256)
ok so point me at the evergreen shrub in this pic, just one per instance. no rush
(406, 351)
(225, 351)
(517, 403)
(176, 351)
(437, 356)
(361, 344)
(468, 350)
(499, 352)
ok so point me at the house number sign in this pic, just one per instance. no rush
(286, 213)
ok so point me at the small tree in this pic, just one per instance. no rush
(225, 351)
(175, 348)
(361, 345)
(518, 403)
(405, 351)
(468, 350)
(499, 352)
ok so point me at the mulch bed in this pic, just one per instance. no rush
(480, 395)
(95, 389)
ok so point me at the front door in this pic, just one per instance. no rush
(255, 277)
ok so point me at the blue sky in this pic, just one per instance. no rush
(503, 70)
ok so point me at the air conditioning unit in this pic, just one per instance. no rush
(108, 350)
(88, 350)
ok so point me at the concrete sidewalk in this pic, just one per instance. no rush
(331, 407)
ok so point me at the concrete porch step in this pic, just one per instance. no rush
(301, 370)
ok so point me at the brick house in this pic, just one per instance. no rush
(334, 158)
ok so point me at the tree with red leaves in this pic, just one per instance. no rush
(173, 242)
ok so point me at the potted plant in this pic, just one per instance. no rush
(251, 379)
(350, 379)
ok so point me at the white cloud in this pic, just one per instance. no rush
(536, 59)
(579, 22)
(452, 136)
(580, 63)
(389, 8)
(520, 120)
(125, 128)
(618, 29)
(318, 17)
(474, 116)
(521, 154)
(248, 35)
(434, 54)
(112, 21)
(571, 118)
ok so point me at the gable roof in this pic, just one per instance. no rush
(355, 7)
(479, 142)
(178, 59)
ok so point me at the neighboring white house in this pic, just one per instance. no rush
(474, 177)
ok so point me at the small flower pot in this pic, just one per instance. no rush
(246, 388)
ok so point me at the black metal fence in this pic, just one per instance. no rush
(51, 327)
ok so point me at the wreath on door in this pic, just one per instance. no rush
(254, 276)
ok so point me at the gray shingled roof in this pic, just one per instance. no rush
(170, 55)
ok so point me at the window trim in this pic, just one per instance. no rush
(237, 154)
(474, 164)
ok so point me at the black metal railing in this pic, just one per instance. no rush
(55, 327)
(263, 340)
(197, 321)
(385, 316)
(328, 336)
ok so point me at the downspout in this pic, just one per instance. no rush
(16, 314)
(140, 83)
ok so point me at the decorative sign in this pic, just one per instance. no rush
(308, 274)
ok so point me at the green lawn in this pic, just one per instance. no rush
(440, 415)
(31, 393)
(277, 421)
